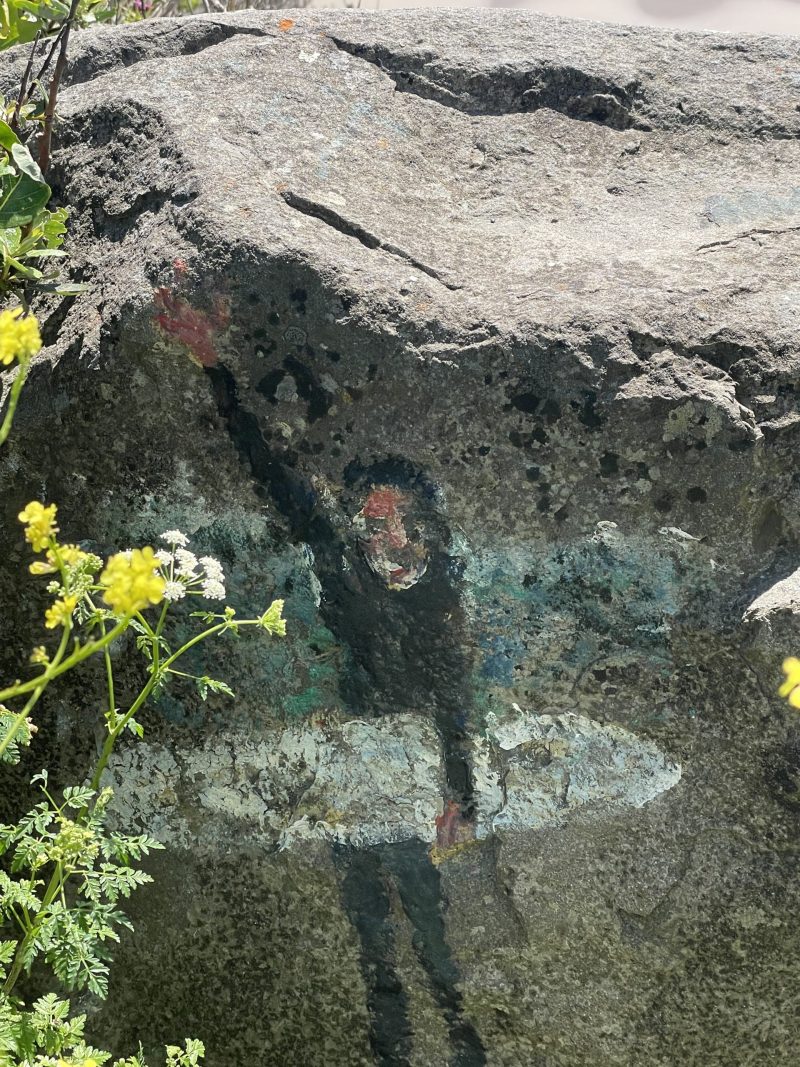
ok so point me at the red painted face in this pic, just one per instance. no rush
(399, 559)
(383, 503)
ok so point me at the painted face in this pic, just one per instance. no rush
(382, 527)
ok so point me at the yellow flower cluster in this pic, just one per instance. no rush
(131, 582)
(59, 613)
(40, 524)
(70, 555)
(74, 844)
(791, 687)
(19, 336)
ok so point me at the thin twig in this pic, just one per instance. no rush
(44, 67)
(48, 60)
(50, 110)
(23, 85)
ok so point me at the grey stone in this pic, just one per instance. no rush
(476, 337)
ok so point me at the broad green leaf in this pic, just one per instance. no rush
(7, 136)
(27, 165)
(22, 202)
(21, 268)
(63, 288)
(42, 253)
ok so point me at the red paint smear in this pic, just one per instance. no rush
(390, 505)
(452, 828)
(382, 504)
(178, 319)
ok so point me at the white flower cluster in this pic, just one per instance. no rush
(185, 573)
(175, 539)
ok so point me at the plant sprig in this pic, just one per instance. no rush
(65, 872)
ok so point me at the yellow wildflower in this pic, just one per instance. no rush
(41, 524)
(40, 567)
(39, 656)
(70, 555)
(59, 613)
(791, 687)
(19, 336)
(131, 581)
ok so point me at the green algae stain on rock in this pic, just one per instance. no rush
(543, 617)
(306, 703)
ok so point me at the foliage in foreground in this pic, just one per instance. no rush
(63, 874)
(29, 232)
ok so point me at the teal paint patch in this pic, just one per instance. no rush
(543, 618)
(306, 703)
(753, 205)
(304, 604)
(322, 672)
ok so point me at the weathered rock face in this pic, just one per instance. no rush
(475, 336)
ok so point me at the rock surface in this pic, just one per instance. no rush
(476, 336)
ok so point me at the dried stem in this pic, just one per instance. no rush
(52, 96)
(49, 59)
(23, 85)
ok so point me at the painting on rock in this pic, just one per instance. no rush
(474, 337)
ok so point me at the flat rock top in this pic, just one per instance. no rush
(509, 165)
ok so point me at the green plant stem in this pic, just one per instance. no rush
(112, 703)
(53, 889)
(54, 670)
(14, 728)
(50, 109)
(47, 61)
(23, 715)
(22, 96)
(16, 389)
(155, 652)
(152, 682)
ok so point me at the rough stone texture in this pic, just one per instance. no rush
(475, 336)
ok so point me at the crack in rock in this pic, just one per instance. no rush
(505, 90)
(744, 236)
(313, 209)
(111, 48)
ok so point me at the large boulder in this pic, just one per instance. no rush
(476, 336)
